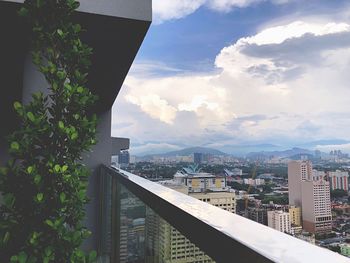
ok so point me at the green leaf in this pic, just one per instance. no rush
(57, 168)
(61, 125)
(15, 146)
(22, 257)
(61, 75)
(77, 28)
(48, 251)
(49, 222)
(80, 89)
(6, 237)
(37, 179)
(30, 169)
(64, 168)
(23, 12)
(92, 256)
(17, 105)
(9, 200)
(14, 259)
(31, 116)
(62, 197)
(40, 197)
(60, 32)
(3, 170)
(86, 233)
(74, 136)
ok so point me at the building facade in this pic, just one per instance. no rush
(295, 215)
(279, 220)
(316, 206)
(298, 171)
(339, 180)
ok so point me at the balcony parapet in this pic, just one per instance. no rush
(224, 236)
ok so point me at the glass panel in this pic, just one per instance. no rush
(143, 236)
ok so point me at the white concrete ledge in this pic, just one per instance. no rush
(270, 243)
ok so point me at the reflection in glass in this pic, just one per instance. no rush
(143, 236)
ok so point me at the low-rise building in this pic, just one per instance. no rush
(279, 220)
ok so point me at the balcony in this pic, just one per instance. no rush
(144, 221)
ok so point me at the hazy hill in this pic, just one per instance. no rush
(189, 151)
(287, 153)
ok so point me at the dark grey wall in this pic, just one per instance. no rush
(101, 154)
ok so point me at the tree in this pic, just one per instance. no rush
(44, 185)
(337, 193)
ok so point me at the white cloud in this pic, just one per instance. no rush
(153, 105)
(164, 10)
(174, 9)
(288, 82)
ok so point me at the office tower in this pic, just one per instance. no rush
(279, 220)
(339, 180)
(316, 206)
(257, 214)
(295, 215)
(298, 171)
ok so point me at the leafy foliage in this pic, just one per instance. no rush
(44, 185)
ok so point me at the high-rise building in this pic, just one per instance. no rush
(339, 180)
(123, 159)
(279, 220)
(318, 175)
(295, 215)
(309, 190)
(316, 206)
(298, 171)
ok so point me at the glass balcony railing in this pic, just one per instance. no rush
(142, 221)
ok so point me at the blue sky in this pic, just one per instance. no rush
(239, 75)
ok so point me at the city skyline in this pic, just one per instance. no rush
(227, 73)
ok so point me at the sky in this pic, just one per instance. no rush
(239, 76)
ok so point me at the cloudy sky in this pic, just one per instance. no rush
(240, 75)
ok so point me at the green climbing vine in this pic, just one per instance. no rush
(44, 185)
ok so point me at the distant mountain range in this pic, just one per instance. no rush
(189, 151)
(293, 153)
(284, 154)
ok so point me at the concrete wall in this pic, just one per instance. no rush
(33, 81)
